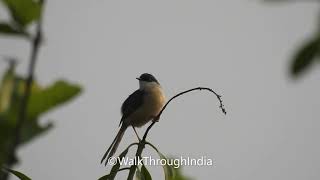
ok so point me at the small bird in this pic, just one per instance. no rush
(139, 108)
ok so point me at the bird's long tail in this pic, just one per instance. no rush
(115, 143)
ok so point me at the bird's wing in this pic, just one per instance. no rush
(133, 102)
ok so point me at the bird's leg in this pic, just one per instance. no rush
(134, 129)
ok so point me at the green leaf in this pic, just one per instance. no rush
(20, 175)
(46, 99)
(305, 57)
(9, 29)
(41, 99)
(7, 88)
(33, 129)
(5, 139)
(138, 174)
(168, 170)
(23, 12)
(145, 173)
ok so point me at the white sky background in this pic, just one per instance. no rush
(239, 48)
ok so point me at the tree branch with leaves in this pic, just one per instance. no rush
(22, 99)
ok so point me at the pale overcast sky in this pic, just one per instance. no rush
(240, 48)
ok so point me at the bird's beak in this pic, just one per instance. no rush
(138, 78)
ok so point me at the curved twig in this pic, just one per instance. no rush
(221, 106)
(193, 89)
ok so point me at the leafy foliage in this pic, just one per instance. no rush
(17, 99)
(9, 29)
(42, 100)
(23, 12)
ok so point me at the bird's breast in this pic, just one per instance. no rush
(153, 102)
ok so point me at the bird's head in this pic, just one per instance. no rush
(147, 80)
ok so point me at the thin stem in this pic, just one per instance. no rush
(138, 154)
(193, 89)
(143, 142)
(135, 131)
(22, 116)
(125, 168)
